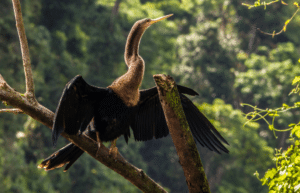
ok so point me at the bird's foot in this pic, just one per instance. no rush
(98, 150)
(99, 144)
(113, 151)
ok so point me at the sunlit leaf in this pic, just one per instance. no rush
(284, 3)
(292, 124)
(287, 21)
(285, 105)
(284, 28)
(296, 79)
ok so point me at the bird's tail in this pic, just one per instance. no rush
(66, 155)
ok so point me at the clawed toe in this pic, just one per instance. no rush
(113, 151)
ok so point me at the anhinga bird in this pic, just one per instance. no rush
(113, 110)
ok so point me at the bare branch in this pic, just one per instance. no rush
(189, 157)
(14, 111)
(3, 84)
(25, 51)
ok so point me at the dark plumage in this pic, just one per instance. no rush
(122, 106)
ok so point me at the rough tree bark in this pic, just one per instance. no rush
(185, 145)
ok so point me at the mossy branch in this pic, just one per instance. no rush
(189, 157)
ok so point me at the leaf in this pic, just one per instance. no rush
(297, 78)
(297, 104)
(296, 131)
(272, 183)
(269, 173)
(283, 177)
(285, 24)
(256, 174)
(297, 160)
(285, 105)
(287, 21)
(292, 124)
(284, 28)
(284, 3)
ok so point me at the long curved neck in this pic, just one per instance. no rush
(132, 44)
(127, 86)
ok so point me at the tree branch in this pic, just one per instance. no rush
(189, 157)
(14, 111)
(25, 51)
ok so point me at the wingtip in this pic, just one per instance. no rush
(56, 131)
(186, 90)
(54, 140)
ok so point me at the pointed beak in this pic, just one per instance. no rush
(159, 19)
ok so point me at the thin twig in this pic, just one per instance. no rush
(284, 27)
(25, 51)
(14, 111)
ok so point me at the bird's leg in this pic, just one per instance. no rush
(99, 143)
(113, 150)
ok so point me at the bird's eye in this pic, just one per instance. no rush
(148, 20)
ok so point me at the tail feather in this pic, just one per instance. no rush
(66, 155)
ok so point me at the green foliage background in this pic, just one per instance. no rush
(210, 46)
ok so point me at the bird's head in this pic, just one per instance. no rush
(134, 38)
(145, 23)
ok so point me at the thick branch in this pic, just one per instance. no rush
(19, 101)
(25, 51)
(189, 157)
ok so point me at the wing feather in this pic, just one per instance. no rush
(76, 107)
(150, 122)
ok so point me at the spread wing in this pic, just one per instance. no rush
(76, 107)
(203, 131)
(150, 122)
